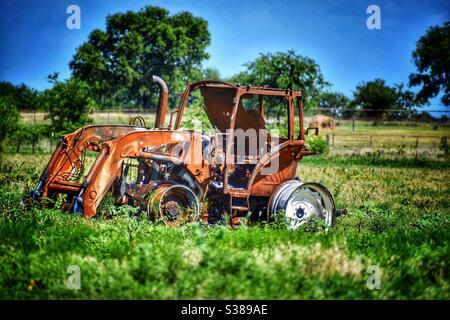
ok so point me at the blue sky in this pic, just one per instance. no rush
(34, 39)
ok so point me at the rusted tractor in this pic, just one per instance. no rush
(178, 175)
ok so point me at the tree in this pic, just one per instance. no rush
(9, 118)
(406, 100)
(375, 98)
(285, 70)
(432, 60)
(23, 97)
(210, 74)
(334, 103)
(69, 103)
(119, 63)
(32, 134)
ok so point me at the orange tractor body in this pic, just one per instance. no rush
(240, 170)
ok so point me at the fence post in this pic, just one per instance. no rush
(332, 141)
(328, 139)
(417, 145)
(51, 142)
(443, 145)
(353, 122)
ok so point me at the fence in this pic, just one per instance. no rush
(353, 116)
(400, 144)
(394, 133)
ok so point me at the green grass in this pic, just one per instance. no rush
(398, 220)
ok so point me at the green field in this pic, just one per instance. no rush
(398, 221)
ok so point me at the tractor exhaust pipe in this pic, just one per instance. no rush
(163, 99)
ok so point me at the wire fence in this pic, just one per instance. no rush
(116, 116)
(393, 144)
(403, 132)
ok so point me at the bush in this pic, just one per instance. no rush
(194, 113)
(443, 145)
(317, 144)
(69, 104)
(29, 134)
(9, 118)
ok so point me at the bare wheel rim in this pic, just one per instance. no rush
(302, 201)
(307, 201)
(176, 205)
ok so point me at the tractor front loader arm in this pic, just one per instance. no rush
(65, 165)
(107, 166)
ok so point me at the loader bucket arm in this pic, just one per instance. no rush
(65, 160)
(106, 167)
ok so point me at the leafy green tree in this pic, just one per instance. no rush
(69, 104)
(29, 134)
(432, 60)
(334, 103)
(23, 97)
(9, 118)
(375, 98)
(285, 70)
(119, 63)
(21, 135)
(406, 100)
(210, 74)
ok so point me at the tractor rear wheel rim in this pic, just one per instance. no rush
(301, 201)
(302, 205)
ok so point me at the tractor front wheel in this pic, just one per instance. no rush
(175, 204)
